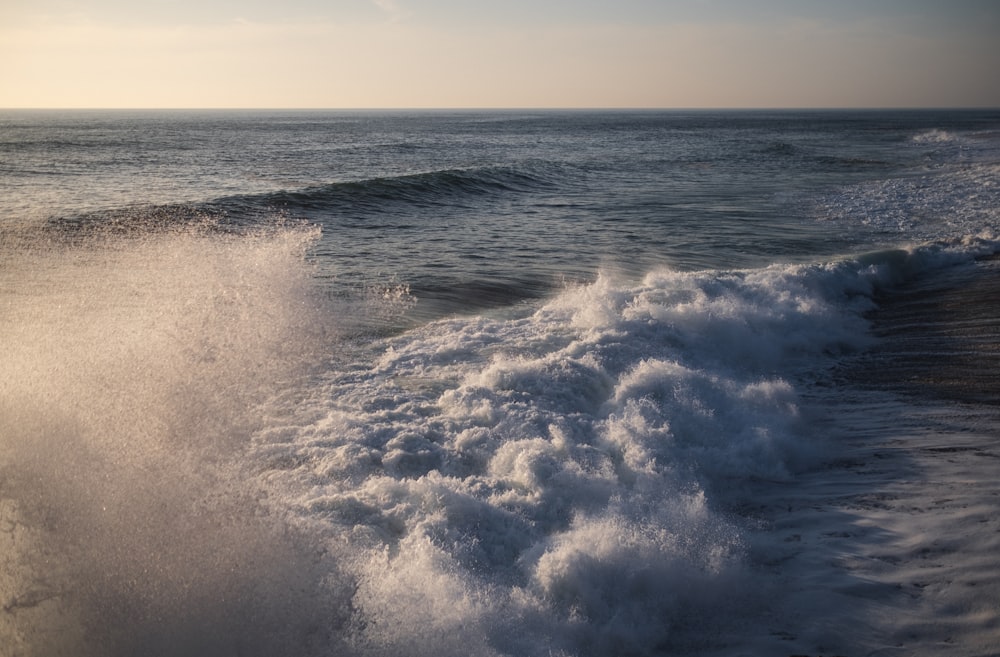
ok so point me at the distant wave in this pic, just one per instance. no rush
(447, 187)
(935, 136)
(809, 156)
(443, 188)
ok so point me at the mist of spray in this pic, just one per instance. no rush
(136, 367)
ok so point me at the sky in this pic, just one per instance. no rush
(499, 53)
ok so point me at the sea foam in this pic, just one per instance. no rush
(198, 461)
(569, 479)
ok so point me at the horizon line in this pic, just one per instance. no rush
(526, 108)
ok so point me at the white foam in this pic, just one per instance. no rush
(939, 202)
(564, 482)
(571, 481)
(935, 136)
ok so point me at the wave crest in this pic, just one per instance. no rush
(448, 187)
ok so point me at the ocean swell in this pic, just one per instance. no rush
(432, 189)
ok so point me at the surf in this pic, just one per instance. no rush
(436, 400)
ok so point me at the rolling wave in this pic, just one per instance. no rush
(452, 188)
(449, 187)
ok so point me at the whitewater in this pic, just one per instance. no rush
(499, 383)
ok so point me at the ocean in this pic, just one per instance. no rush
(519, 383)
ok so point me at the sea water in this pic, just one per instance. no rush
(496, 383)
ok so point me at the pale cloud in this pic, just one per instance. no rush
(392, 9)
